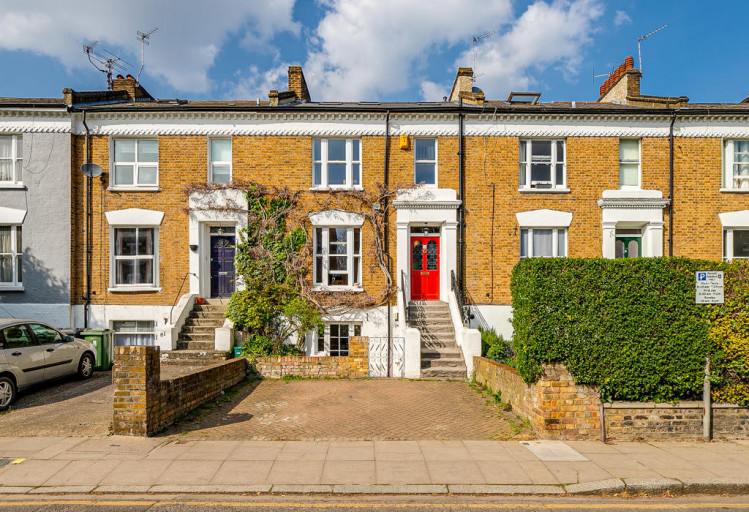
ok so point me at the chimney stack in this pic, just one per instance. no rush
(463, 88)
(134, 90)
(297, 89)
(622, 84)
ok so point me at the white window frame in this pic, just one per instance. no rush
(527, 185)
(326, 339)
(16, 253)
(212, 163)
(16, 156)
(554, 242)
(728, 243)
(136, 332)
(730, 182)
(324, 164)
(135, 186)
(433, 162)
(351, 258)
(639, 166)
(113, 286)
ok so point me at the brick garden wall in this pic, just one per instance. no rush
(355, 365)
(556, 407)
(144, 404)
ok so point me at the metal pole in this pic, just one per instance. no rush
(707, 415)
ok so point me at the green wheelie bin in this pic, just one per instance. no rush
(103, 340)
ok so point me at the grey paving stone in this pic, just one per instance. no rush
(727, 485)
(598, 487)
(118, 489)
(390, 489)
(302, 489)
(653, 485)
(505, 489)
(558, 451)
(14, 490)
(210, 488)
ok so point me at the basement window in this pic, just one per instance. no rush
(334, 340)
(134, 332)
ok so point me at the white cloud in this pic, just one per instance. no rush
(546, 36)
(257, 84)
(190, 35)
(371, 48)
(621, 18)
(431, 91)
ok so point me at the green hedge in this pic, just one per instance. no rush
(628, 326)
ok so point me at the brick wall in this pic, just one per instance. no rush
(556, 407)
(144, 404)
(631, 421)
(355, 365)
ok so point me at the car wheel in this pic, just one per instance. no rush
(7, 392)
(86, 366)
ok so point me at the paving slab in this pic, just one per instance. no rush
(496, 472)
(14, 490)
(577, 472)
(210, 450)
(199, 489)
(304, 451)
(257, 450)
(398, 451)
(83, 472)
(63, 489)
(302, 489)
(296, 472)
(445, 451)
(401, 472)
(557, 451)
(235, 472)
(136, 472)
(487, 451)
(123, 489)
(537, 472)
(189, 472)
(351, 450)
(455, 472)
(349, 472)
(30, 472)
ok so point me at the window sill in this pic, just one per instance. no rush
(134, 289)
(19, 186)
(735, 190)
(134, 189)
(11, 288)
(544, 190)
(319, 288)
(333, 189)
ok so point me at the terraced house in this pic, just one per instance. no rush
(482, 183)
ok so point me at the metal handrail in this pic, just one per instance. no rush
(178, 293)
(459, 298)
(403, 297)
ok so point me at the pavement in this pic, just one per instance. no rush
(116, 465)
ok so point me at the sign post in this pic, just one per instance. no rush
(708, 287)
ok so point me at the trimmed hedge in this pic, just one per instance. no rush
(629, 326)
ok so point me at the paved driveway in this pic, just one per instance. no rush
(352, 410)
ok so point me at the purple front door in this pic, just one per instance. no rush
(222, 266)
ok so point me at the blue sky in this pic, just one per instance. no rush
(377, 49)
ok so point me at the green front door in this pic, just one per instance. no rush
(628, 246)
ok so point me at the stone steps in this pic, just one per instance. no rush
(193, 357)
(444, 372)
(196, 345)
(440, 356)
(197, 339)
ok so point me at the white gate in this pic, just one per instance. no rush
(378, 357)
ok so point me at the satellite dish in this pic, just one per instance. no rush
(91, 170)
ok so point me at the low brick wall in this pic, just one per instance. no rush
(144, 404)
(556, 407)
(355, 365)
(631, 421)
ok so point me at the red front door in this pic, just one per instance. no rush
(425, 268)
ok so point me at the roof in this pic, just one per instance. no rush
(31, 102)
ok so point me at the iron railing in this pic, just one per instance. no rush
(176, 298)
(464, 314)
(403, 297)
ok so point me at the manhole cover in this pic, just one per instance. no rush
(4, 462)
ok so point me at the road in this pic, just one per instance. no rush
(264, 503)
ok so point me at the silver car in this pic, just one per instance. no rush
(32, 352)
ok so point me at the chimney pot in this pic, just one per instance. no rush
(130, 76)
(629, 62)
(120, 77)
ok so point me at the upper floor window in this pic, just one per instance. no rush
(11, 251)
(545, 243)
(11, 159)
(219, 160)
(336, 163)
(425, 161)
(337, 256)
(136, 163)
(736, 165)
(542, 164)
(629, 163)
(134, 259)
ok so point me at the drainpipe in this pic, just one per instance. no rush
(386, 246)
(671, 185)
(87, 303)
(461, 187)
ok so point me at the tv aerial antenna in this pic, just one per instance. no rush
(475, 40)
(105, 63)
(641, 39)
(143, 38)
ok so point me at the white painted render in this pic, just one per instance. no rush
(544, 219)
(134, 217)
(336, 218)
(11, 215)
(56, 315)
(633, 209)
(739, 219)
